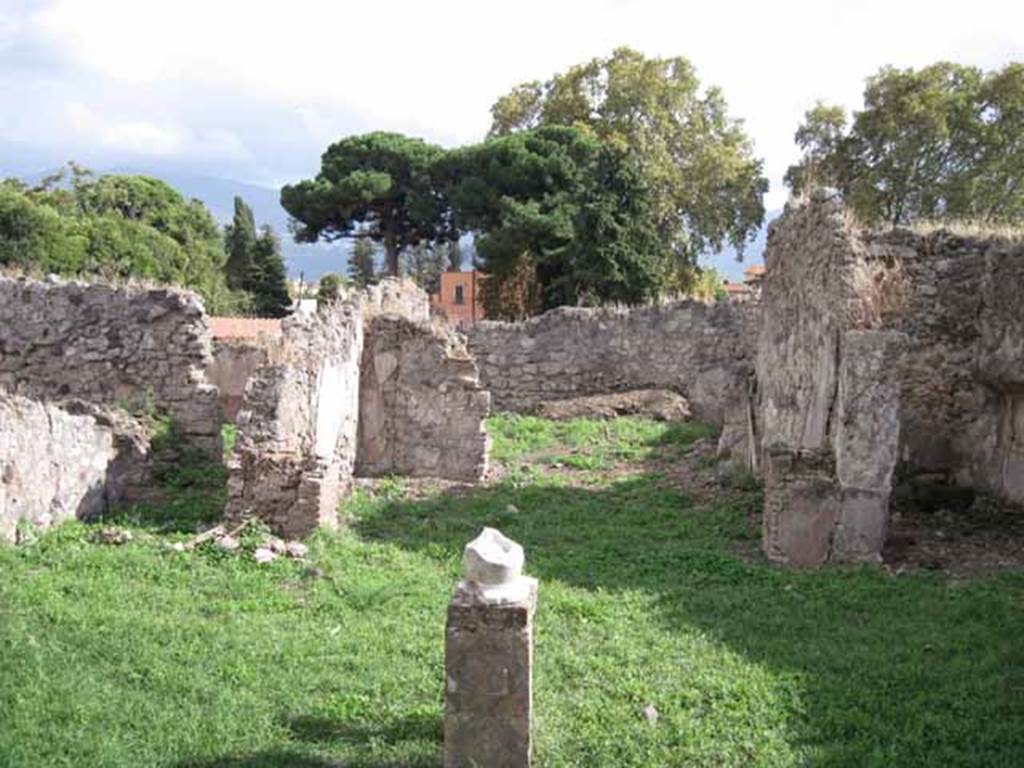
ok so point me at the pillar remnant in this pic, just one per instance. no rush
(489, 658)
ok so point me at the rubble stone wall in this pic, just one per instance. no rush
(882, 351)
(422, 406)
(703, 352)
(61, 462)
(296, 441)
(115, 346)
(960, 302)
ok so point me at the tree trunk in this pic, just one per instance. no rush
(391, 255)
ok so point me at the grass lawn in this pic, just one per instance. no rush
(651, 593)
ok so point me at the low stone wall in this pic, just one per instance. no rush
(702, 352)
(59, 463)
(296, 442)
(132, 347)
(422, 406)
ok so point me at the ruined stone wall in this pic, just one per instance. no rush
(828, 413)
(960, 301)
(422, 406)
(882, 352)
(296, 441)
(114, 346)
(59, 463)
(703, 352)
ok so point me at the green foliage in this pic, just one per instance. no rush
(361, 267)
(330, 288)
(379, 182)
(647, 597)
(709, 285)
(576, 210)
(240, 242)
(113, 228)
(425, 264)
(698, 160)
(255, 264)
(942, 142)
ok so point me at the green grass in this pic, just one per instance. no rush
(142, 656)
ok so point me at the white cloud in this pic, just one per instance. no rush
(145, 137)
(434, 69)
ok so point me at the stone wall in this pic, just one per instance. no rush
(960, 301)
(881, 352)
(703, 352)
(59, 463)
(115, 346)
(296, 442)
(422, 406)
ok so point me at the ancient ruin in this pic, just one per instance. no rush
(869, 357)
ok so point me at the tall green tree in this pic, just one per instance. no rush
(380, 184)
(268, 278)
(362, 268)
(942, 142)
(572, 216)
(240, 243)
(698, 160)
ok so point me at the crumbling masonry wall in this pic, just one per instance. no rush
(115, 346)
(703, 352)
(422, 406)
(60, 463)
(296, 441)
(878, 352)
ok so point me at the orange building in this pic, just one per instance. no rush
(461, 298)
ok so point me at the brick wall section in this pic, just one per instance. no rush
(701, 351)
(113, 346)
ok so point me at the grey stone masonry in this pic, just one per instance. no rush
(62, 462)
(128, 347)
(700, 351)
(489, 659)
(422, 409)
(296, 442)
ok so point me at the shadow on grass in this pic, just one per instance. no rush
(325, 731)
(184, 499)
(912, 670)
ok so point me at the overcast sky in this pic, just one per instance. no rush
(255, 90)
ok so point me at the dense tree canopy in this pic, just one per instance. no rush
(946, 141)
(379, 183)
(113, 227)
(698, 161)
(573, 211)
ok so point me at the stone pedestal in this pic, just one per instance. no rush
(489, 659)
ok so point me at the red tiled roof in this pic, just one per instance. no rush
(754, 270)
(243, 327)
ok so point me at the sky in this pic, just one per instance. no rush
(255, 91)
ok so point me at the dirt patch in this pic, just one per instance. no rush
(658, 404)
(941, 527)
